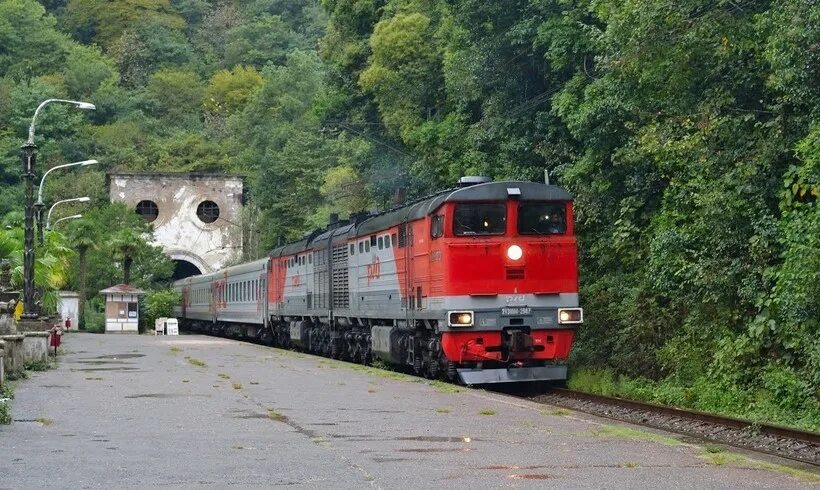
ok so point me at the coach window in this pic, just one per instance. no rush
(361, 247)
(393, 239)
(352, 249)
(480, 219)
(310, 258)
(437, 226)
(381, 243)
(367, 245)
(387, 241)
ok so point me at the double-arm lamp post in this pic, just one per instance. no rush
(29, 155)
(48, 216)
(73, 216)
(40, 205)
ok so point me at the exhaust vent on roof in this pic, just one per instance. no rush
(469, 180)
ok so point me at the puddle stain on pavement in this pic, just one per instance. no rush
(107, 369)
(437, 439)
(529, 477)
(119, 356)
(168, 395)
(436, 450)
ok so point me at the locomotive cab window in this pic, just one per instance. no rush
(437, 226)
(352, 249)
(542, 218)
(480, 219)
(381, 243)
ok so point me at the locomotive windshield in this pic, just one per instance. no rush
(480, 219)
(542, 219)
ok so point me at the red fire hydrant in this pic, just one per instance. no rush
(54, 339)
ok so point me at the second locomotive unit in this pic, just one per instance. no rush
(477, 284)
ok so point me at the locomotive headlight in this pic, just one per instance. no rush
(460, 318)
(570, 315)
(515, 252)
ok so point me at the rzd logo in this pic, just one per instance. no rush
(374, 270)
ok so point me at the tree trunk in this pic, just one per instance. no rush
(126, 270)
(81, 293)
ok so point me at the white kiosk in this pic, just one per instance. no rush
(122, 308)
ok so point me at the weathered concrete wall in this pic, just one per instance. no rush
(35, 347)
(177, 229)
(2, 364)
(13, 360)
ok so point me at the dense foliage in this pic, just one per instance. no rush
(688, 131)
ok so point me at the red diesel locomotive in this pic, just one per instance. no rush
(477, 284)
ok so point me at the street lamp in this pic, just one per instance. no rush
(73, 216)
(75, 199)
(29, 155)
(39, 205)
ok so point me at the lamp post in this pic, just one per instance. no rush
(39, 205)
(75, 199)
(29, 155)
(73, 216)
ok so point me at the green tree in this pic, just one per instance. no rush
(125, 245)
(82, 239)
(105, 22)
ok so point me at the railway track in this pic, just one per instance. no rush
(797, 445)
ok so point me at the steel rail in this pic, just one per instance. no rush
(757, 428)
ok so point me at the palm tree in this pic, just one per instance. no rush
(126, 245)
(82, 236)
(51, 271)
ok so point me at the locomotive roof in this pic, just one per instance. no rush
(490, 191)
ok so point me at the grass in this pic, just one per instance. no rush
(196, 362)
(5, 411)
(445, 387)
(630, 464)
(38, 366)
(724, 458)
(7, 391)
(44, 421)
(274, 415)
(623, 432)
(175, 349)
(223, 376)
(443, 410)
(486, 411)
(558, 412)
(237, 386)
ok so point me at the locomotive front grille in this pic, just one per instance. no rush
(515, 273)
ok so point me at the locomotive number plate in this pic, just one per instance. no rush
(522, 310)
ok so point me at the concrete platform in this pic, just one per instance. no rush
(189, 411)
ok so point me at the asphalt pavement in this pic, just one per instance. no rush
(189, 411)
